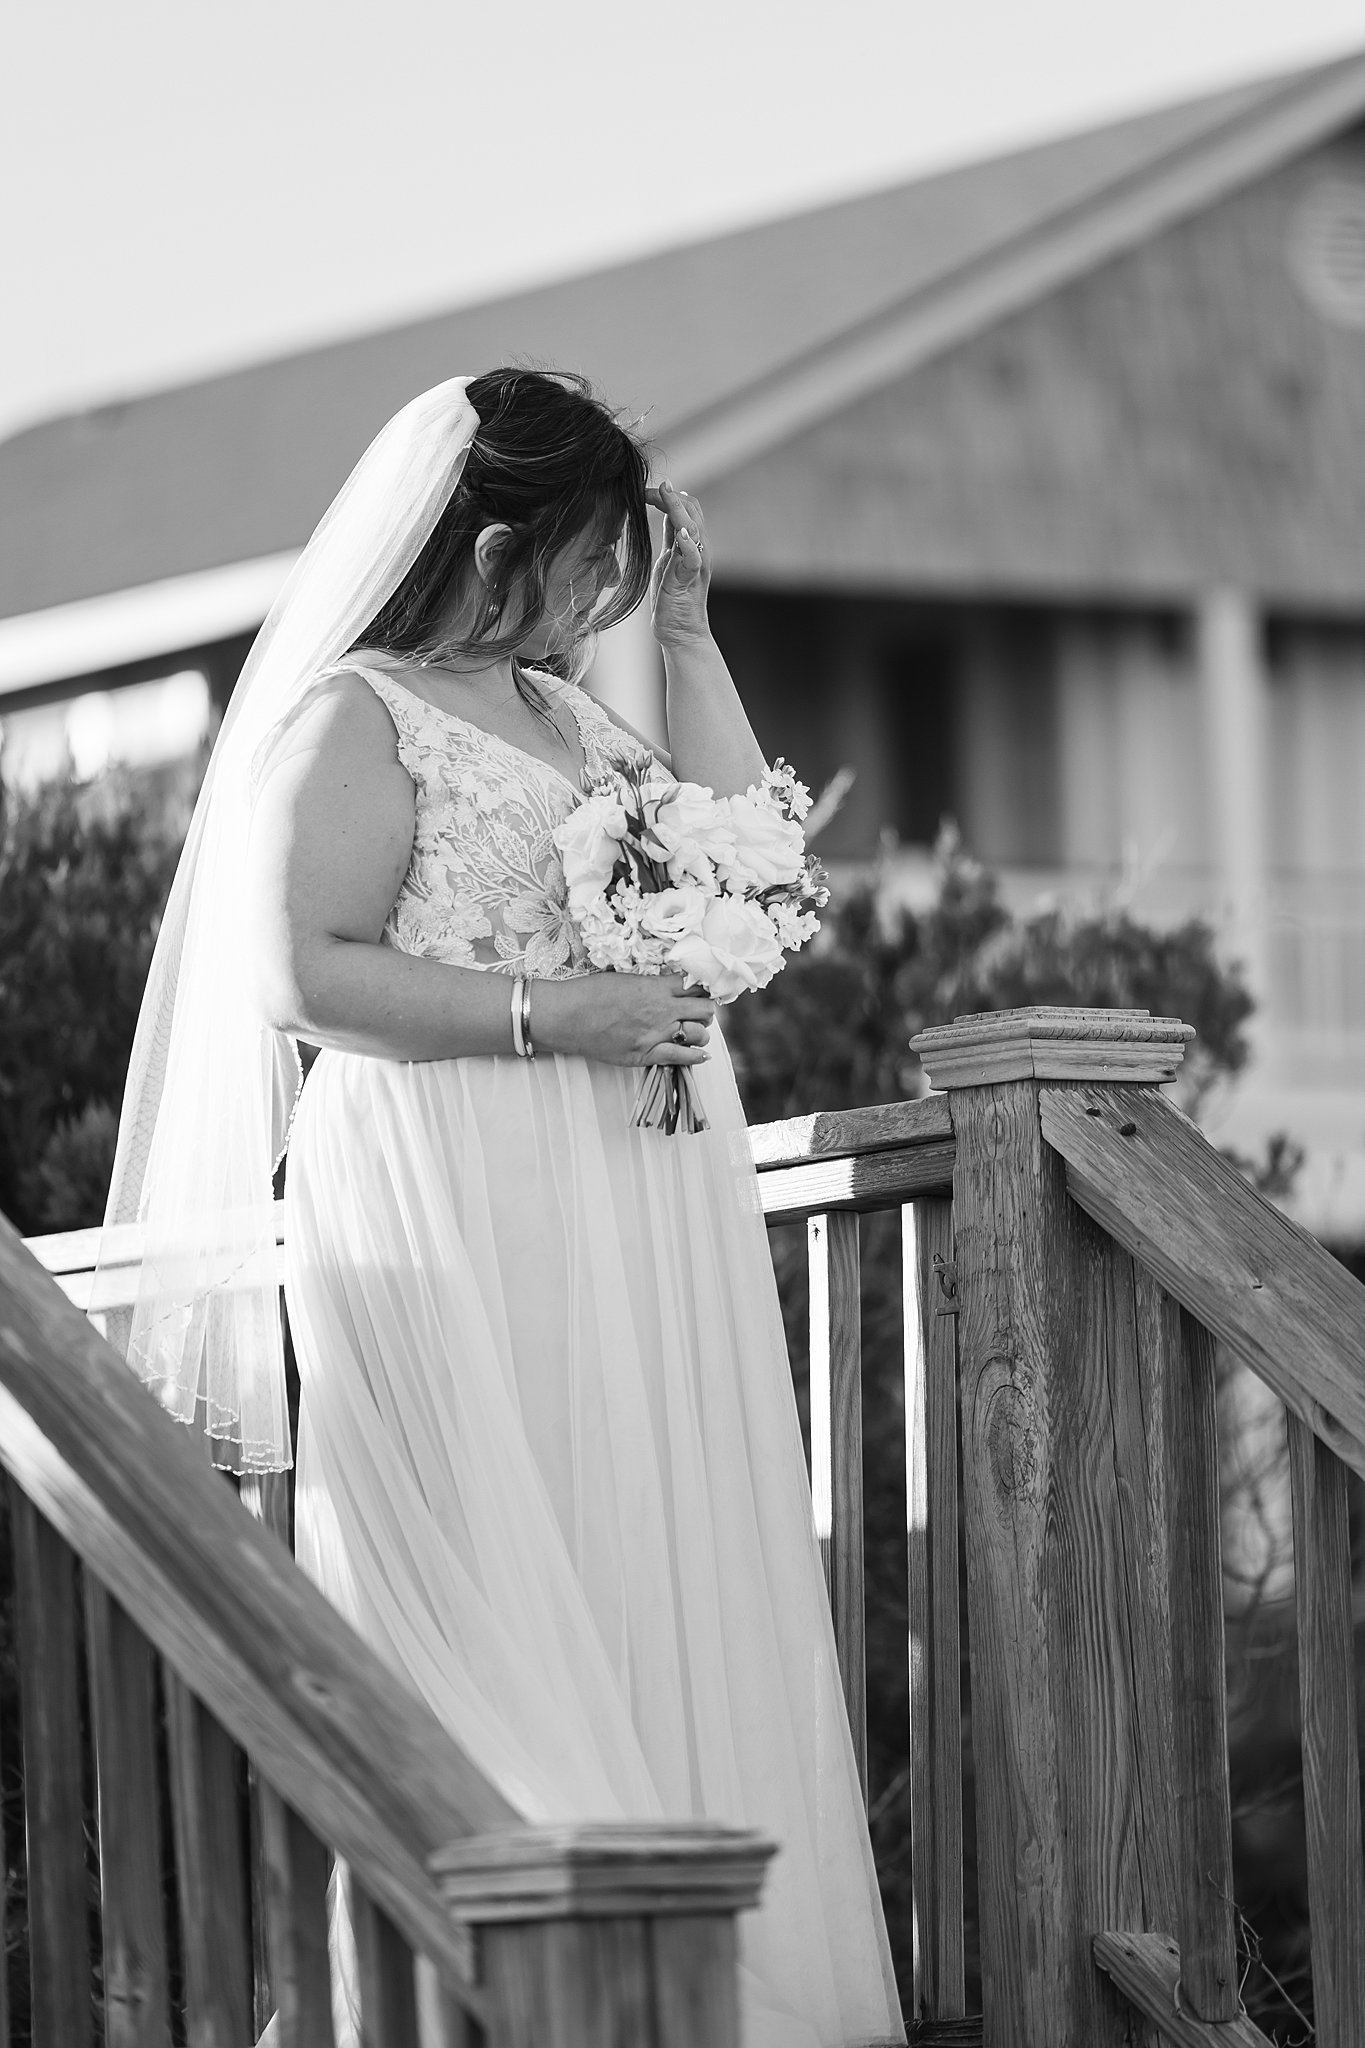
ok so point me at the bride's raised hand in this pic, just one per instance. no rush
(682, 574)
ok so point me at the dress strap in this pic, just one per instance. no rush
(403, 705)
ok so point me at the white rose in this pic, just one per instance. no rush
(672, 912)
(736, 949)
(692, 831)
(589, 842)
(768, 847)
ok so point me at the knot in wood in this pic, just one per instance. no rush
(1011, 1441)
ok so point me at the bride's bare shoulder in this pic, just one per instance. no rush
(340, 716)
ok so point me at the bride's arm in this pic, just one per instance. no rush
(710, 738)
(331, 837)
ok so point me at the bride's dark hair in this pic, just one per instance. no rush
(553, 462)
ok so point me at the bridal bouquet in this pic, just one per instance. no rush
(665, 876)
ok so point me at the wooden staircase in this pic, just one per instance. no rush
(1074, 1254)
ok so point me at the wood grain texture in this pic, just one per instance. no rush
(368, 1766)
(695, 1982)
(295, 1865)
(212, 1878)
(612, 1868)
(1257, 1281)
(570, 1984)
(1331, 1759)
(1146, 1969)
(836, 1352)
(1044, 1042)
(123, 1711)
(45, 1633)
(385, 1977)
(935, 1644)
(836, 1133)
(1061, 1385)
(1204, 1913)
(877, 1180)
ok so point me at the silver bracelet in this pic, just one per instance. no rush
(521, 1018)
(526, 1017)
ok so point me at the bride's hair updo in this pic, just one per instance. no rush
(551, 461)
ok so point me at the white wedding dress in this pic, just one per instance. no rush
(549, 1461)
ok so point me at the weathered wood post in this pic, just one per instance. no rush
(614, 1932)
(1065, 1347)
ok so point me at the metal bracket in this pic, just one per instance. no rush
(946, 1272)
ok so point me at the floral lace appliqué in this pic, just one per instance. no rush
(484, 886)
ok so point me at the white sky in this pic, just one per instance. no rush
(190, 186)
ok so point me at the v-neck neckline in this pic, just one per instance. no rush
(486, 732)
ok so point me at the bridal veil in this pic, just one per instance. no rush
(211, 1089)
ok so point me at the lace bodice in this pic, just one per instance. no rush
(484, 886)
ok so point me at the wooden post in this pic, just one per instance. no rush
(607, 1932)
(1062, 1367)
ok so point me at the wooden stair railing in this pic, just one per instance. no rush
(824, 1170)
(1104, 1250)
(1073, 1253)
(1249, 1279)
(137, 1569)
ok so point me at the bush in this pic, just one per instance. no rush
(84, 875)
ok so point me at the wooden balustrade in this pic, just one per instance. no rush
(142, 1585)
(1073, 1254)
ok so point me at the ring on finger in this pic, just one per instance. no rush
(680, 1034)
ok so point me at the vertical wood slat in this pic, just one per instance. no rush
(210, 1856)
(123, 1711)
(935, 1642)
(442, 2021)
(1206, 1928)
(386, 1976)
(295, 1865)
(1331, 1761)
(266, 1496)
(836, 1365)
(59, 1944)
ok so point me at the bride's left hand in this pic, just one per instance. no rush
(682, 574)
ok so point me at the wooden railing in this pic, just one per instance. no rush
(225, 1693)
(1074, 1252)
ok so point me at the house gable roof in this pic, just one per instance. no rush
(726, 346)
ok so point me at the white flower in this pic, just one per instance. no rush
(693, 831)
(736, 949)
(671, 912)
(768, 847)
(781, 787)
(793, 925)
(589, 840)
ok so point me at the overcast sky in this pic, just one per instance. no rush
(190, 186)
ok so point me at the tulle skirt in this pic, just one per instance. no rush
(549, 1464)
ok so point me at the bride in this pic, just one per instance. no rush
(548, 1459)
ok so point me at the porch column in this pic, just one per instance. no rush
(1232, 682)
(628, 674)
